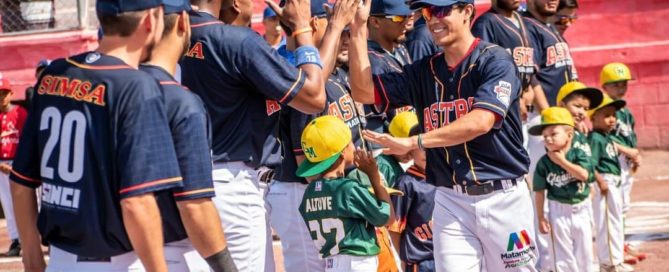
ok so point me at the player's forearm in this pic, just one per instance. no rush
(311, 97)
(25, 214)
(627, 151)
(539, 199)
(328, 48)
(360, 71)
(203, 225)
(381, 194)
(468, 127)
(540, 100)
(141, 219)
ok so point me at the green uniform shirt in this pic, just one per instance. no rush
(390, 169)
(624, 132)
(604, 153)
(580, 141)
(341, 214)
(561, 185)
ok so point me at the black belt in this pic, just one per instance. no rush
(83, 259)
(485, 187)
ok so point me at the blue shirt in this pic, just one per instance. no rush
(484, 79)
(97, 133)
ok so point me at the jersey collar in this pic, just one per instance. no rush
(469, 52)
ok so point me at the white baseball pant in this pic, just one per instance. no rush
(299, 251)
(240, 204)
(181, 256)
(496, 229)
(63, 261)
(572, 236)
(7, 205)
(627, 180)
(349, 263)
(608, 212)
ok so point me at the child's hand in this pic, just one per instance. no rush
(544, 226)
(558, 156)
(603, 187)
(365, 162)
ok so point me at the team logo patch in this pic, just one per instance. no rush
(92, 57)
(319, 186)
(503, 91)
(519, 251)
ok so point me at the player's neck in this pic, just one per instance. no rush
(165, 55)
(213, 8)
(538, 15)
(336, 171)
(273, 40)
(121, 48)
(456, 51)
(505, 13)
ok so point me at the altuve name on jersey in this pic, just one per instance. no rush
(316, 204)
(77, 89)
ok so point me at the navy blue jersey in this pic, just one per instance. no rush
(495, 28)
(414, 216)
(485, 79)
(339, 103)
(552, 56)
(383, 62)
(97, 133)
(419, 41)
(243, 82)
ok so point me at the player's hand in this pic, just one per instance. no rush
(342, 13)
(544, 226)
(361, 16)
(583, 128)
(603, 187)
(396, 146)
(5, 168)
(364, 160)
(558, 157)
(295, 13)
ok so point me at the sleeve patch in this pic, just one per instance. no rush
(503, 92)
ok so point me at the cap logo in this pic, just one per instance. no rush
(310, 152)
(92, 57)
(620, 71)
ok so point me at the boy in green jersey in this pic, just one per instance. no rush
(607, 204)
(614, 78)
(563, 173)
(578, 99)
(340, 212)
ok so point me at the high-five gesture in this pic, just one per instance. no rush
(361, 16)
(295, 13)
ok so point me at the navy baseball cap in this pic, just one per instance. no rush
(43, 63)
(390, 7)
(116, 7)
(317, 9)
(176, 6)
(416, 4)
(268, 13)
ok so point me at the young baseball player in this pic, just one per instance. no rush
(562, 176)
(614, 78)
(340, 212)
(187, 212)
(607, 204)
(578, 99)
(467, 103)
(98, 143)
(412, 229)
(12, 119)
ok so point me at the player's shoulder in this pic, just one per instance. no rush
(485, 18)
(491, 53)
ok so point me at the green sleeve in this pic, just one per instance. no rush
(581, 159)
(360, 203)
(540, 173)
(597, 147)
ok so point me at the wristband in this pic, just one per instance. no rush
(221, 261)
(307, 55)
(420, 142)
(301, 30)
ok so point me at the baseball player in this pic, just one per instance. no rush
(244, 83)
(13, 118)
(287, 189)
(607, 204)
(273, 31)
(339, 211)
(193, 215)
(564, 173)
(565, 15)
(614, 78)
(578, 99)
(467, 103)
(30, 92)
(98, 143)
(412, 229)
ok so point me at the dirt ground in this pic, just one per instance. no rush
(647, 222)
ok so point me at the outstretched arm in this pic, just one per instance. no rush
(360, 71)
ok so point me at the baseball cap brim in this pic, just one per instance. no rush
(439, 3)
(538, 129)
(308, 169)
(618, 104)
(391, 191)
(594, 95)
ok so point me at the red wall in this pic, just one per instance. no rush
(633, 32)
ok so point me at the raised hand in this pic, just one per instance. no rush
(397, 146)
(295, 13)
(361, 16)
(365, 161)
(343, 12)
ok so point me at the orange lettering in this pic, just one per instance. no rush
(97, 96)
(196, 51)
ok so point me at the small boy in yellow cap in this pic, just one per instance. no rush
(563, 173)
(412, 231)
(578, 99)
(607, 204)
(614, 78)
(340, 212)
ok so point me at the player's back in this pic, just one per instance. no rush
(95, 135)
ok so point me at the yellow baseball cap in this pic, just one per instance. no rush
(323, 140)
(614, 72)
(608, 101)
(552, 116)
(391, 191)
(594, 95)
(402, 123)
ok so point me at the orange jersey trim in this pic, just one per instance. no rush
(90, 67)
(194, 192)
(25, 177)
(207, 23)
(149, 184)
(299, 77)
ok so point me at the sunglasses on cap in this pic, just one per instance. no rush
(565, 20)
(437, 11)
(393, 18)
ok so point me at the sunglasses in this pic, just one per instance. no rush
(393, 18)
(566, 20)
(437, 11)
